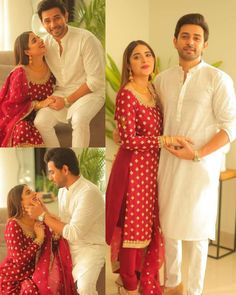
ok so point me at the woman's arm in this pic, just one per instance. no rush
(16, 249)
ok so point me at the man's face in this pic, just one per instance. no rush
(190, 43)
(58, 176)
(55, 22)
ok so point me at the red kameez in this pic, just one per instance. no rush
(17, 114)
(132, 208)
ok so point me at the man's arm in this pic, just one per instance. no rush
(187, 151)
(53, 222)
(94, 66)
(85, 215)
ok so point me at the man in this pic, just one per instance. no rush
(75, 57)
(198, 102)
(81, 212)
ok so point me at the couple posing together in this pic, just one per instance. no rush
(49, 255)
(149, 214)
(55, 80)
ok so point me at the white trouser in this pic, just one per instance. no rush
(81, 114)
(196, 267)
(87, 269)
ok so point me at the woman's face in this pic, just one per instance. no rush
(36, 46)
(28, 197)
(141, 61)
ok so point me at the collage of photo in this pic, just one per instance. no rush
(117, 147)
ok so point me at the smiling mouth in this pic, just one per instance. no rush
(189, 49)
(145, 67)
(35, 199)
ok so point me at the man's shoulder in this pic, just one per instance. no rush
(215, 72)
(82, 33)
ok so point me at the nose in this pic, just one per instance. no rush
(190, 41)
(53, 23)
(143, 58)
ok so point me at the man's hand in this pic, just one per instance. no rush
(58, 103)
(185, 151)
(34, 210)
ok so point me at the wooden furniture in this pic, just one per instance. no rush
(224, 176)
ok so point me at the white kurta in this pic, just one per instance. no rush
(82, 60)
(82, 208)
(197, 107)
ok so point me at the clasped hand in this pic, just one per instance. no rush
(57, 102)
(183, 148)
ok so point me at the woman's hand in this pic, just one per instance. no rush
(39, 230)
(44, 103)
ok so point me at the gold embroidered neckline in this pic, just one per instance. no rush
(37, 81)
(140, 98)
(28, 233)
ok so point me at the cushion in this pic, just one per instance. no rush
(5, 71)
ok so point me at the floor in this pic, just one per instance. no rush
(220, 276)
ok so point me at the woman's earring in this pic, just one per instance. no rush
(30, 59)
(131, 79)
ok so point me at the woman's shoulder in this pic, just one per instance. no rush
(126, 93)
(18, 72)
(12, 224)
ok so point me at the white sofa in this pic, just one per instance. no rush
(97, 125)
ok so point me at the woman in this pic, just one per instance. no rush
(25, 91)
(34, 264)
(132, 223)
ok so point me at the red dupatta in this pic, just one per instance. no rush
(15, 104)
(53, 271)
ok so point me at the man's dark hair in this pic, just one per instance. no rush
(192, 19)
(49, 4)
(63, 156)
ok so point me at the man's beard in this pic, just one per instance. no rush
(188, 57)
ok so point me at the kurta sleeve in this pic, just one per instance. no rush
(94, 63)
(84, 216)
(224, 105)
(125, 115)
(16, 250)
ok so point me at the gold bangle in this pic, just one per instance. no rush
(167, 140)
(37, 105)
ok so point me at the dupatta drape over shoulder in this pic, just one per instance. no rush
(53, 271)
(15, 104)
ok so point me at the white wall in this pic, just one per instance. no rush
(16, 166)
(126, 20)
(19, 19)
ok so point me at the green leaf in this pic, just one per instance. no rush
(92, 165)
(217, 64)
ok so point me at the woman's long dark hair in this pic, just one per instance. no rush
(22, 44)
(14, 198)
(126, 59)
